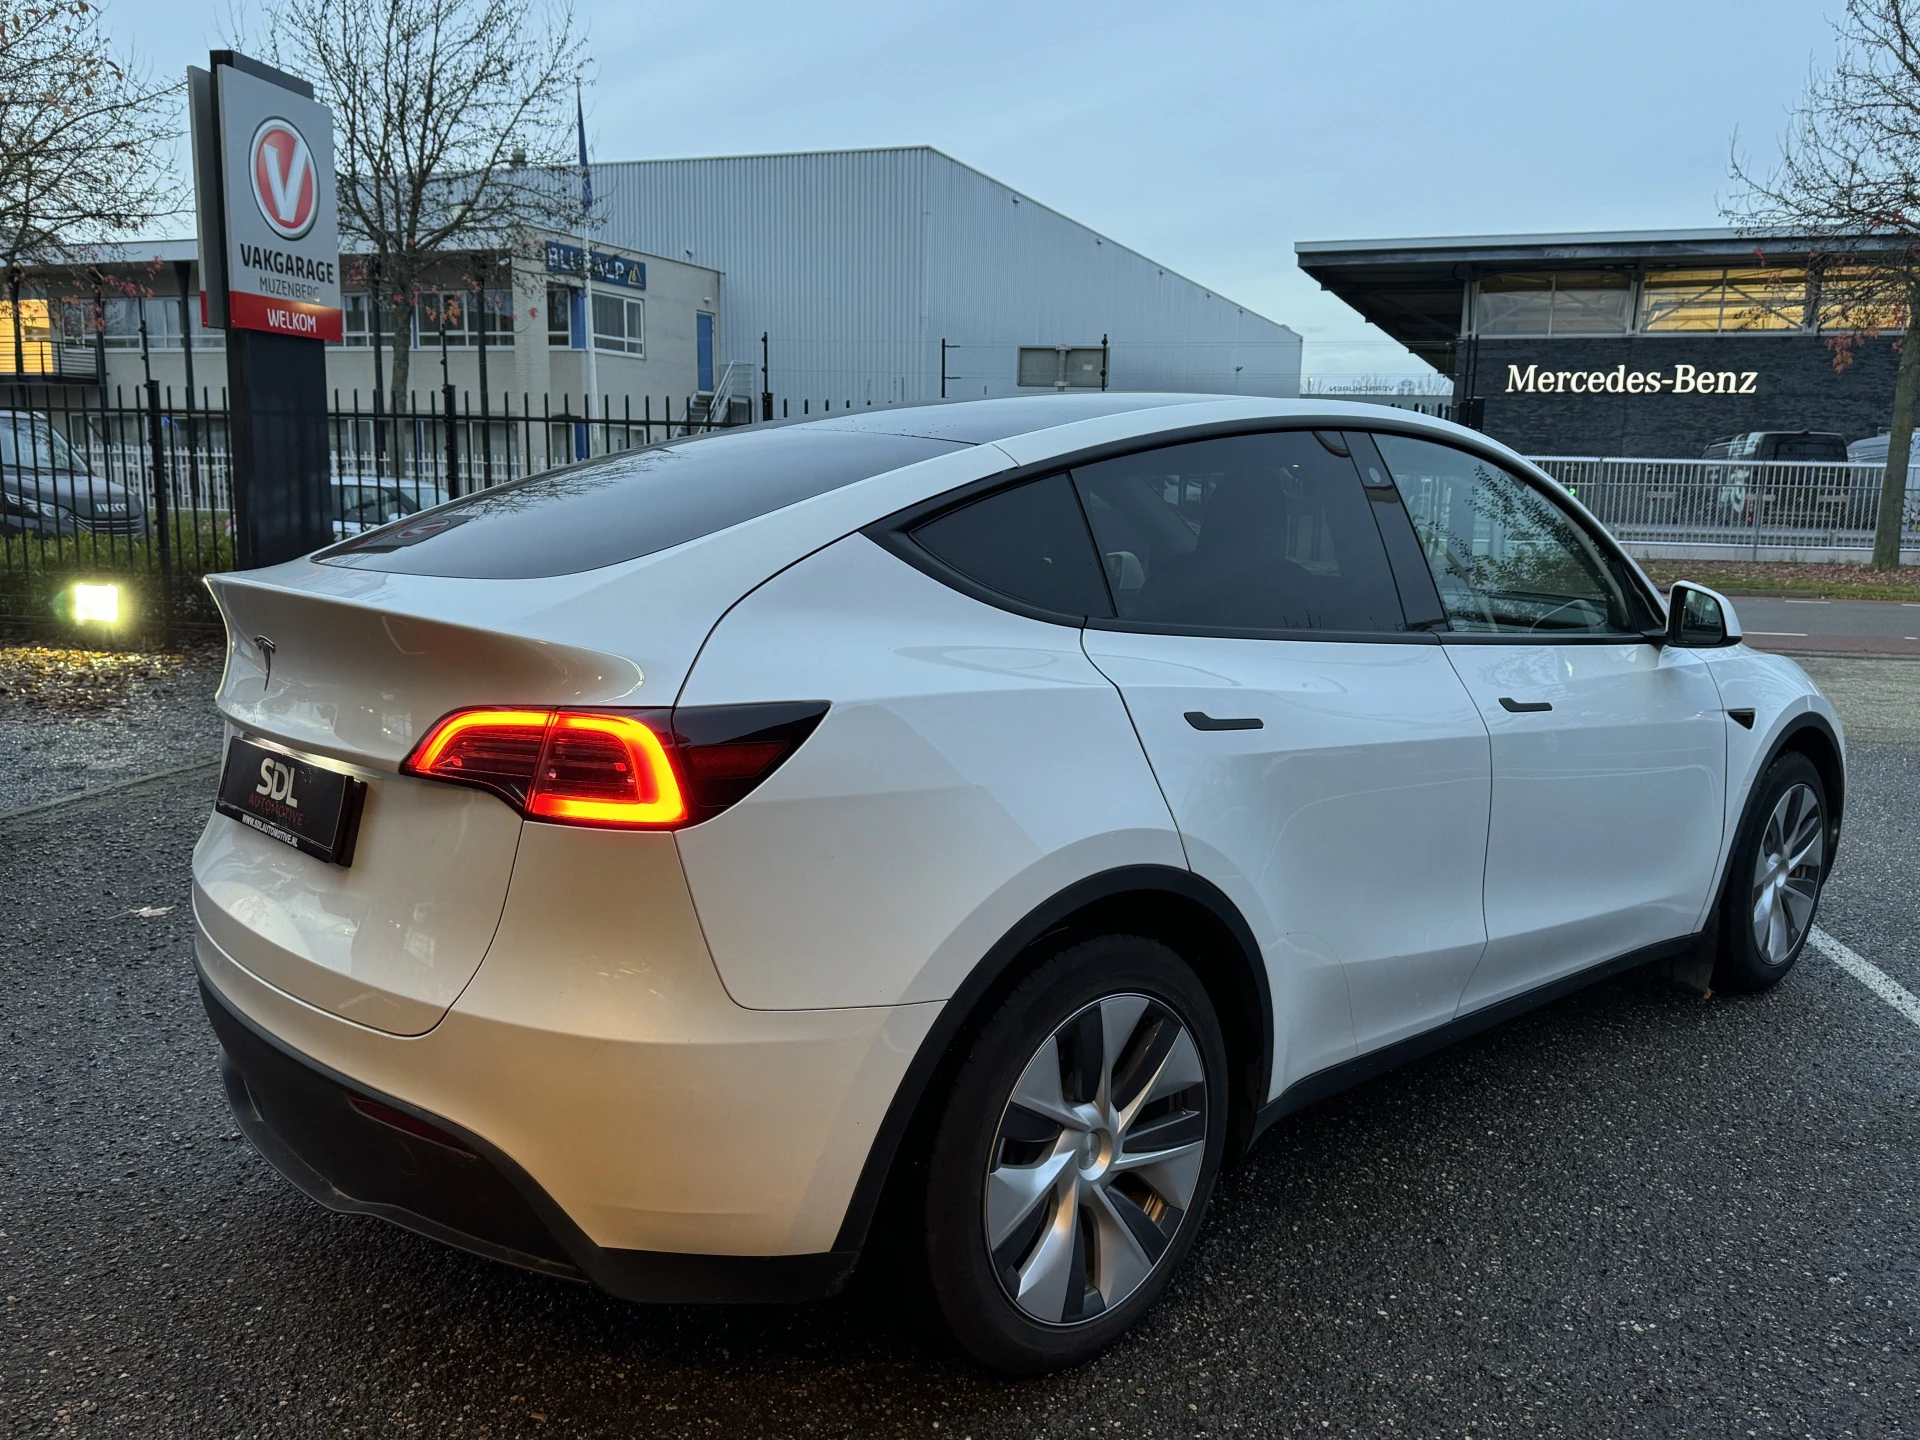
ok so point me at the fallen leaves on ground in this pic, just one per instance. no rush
(48, 678)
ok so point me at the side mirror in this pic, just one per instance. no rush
(1699, 618)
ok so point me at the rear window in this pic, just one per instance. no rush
(1810, 447)
(628, 505)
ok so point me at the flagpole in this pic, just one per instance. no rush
(593, 373)
(586, 265)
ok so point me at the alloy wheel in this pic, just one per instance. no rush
(1786, 874)
(1096, 1159)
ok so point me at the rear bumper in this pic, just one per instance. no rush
(615, 1115)
(355, 1150)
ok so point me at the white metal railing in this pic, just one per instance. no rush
(735, 376)
(1755, 504)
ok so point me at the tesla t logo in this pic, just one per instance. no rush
(285, 186)
(276, 783)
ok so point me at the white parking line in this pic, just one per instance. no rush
(1788, 634)
(1868, 974)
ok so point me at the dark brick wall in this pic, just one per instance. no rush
(1796, 388)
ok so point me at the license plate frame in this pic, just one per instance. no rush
(287, 797)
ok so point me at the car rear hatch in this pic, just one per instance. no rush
(350, 682)
(590, 585)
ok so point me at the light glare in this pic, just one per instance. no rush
(98, 603)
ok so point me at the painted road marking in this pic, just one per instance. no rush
(1790, 634)
(1868, 974)
(1809, 602)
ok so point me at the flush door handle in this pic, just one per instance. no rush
(1200, 720)
(1523, 707)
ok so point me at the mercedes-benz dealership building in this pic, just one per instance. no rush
(1626, 343)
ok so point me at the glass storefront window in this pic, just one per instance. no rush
(1597, 302)
(1765, 300)
(619, 324)
(1716, 300)
(461, 315)
(1681, 300)
(118, 323)
(1860, 299)
(29, 331)
(1592, 303)
(356, 320)
(560, 327)
(1514, 305)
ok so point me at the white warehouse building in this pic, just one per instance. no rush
(858, 264)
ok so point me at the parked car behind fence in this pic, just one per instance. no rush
(48, 489)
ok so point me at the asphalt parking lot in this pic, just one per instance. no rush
(1633, 1213)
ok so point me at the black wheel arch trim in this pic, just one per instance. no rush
(1815, 721)
(998, 966)
(1836, 784)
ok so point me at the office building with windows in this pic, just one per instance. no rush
(1651, 343)
(876, 276)
(518, 317)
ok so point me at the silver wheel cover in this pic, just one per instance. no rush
(1786, 874)
(1096, 1159)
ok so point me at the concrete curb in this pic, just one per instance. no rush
(109, 789)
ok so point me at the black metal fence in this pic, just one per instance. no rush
(135, 489)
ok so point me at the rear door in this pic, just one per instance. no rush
(1323, 763)
(1609, 752)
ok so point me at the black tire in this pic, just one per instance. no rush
(1744, 964)
(1095, 985)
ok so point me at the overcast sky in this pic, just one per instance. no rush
(1210, 136)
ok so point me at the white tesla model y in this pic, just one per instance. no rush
(992, 814)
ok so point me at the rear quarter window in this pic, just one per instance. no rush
(620, 507)
(1029, 543)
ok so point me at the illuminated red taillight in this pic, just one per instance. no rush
(606, 770)
(494, 749)
(629, 768)
(581, 767)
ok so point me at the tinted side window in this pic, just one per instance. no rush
(1029, 543)
(1259, 532)
(1506, 558)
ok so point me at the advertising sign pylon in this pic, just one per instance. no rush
(270, 276)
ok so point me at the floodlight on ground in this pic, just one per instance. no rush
(96, 604)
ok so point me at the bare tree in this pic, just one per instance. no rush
(449, 116)
(85, 140)
(1847, 181)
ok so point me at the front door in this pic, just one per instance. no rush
(1324, 764)
(1609, 752)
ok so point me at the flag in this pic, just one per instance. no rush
(586, 175)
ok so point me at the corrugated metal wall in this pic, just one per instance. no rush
(1004, 271)
(858, 262)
